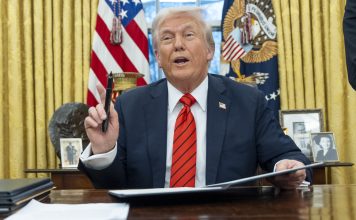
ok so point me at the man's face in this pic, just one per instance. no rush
(325, 143)
(182, 52)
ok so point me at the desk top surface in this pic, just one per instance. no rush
(317, 202)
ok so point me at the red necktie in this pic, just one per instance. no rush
(184, 146)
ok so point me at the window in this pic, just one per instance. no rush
(213, 12)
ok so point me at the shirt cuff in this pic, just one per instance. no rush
(275, 165)
(97, 161)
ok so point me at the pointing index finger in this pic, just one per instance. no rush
(101, 91)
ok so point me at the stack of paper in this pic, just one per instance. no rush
(37, 211)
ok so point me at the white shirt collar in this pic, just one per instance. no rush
(200, 94)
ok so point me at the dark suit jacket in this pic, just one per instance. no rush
(350, 40)
(238, 137)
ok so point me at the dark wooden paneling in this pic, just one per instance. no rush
(66, 178)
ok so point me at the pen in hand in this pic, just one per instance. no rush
(107, 103)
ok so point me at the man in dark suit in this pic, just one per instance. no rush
(350, 40)
(229, 128)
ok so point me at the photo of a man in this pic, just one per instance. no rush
(70, 152)
(302, 138)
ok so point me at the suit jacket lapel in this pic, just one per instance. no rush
(217, 112)
(156, 121)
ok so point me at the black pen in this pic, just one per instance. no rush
(108, 93)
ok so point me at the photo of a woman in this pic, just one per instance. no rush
(324, 147)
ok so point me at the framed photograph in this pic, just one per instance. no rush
(71, 148)
(324, 147)
(298, 124)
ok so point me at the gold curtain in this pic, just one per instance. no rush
(44, 62)
(312, 70)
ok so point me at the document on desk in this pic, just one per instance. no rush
(35, 210)
(131, 193)
(265, 175)
(126, 193)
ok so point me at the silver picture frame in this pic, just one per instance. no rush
(71, 149)
(299, 124)
(324, 147)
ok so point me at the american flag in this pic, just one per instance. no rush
(233, 49)
(129, 56)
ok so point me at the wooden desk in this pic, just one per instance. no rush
(66, 178)
(320, 202)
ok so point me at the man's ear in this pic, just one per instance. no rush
(158, 58)
(210, 54)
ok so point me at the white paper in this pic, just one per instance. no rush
(37, 211)
(158, 191)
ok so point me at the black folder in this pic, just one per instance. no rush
(16, 192)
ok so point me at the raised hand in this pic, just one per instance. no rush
(101, 142)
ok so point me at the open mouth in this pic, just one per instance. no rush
(181, 60)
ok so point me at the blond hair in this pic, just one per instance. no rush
(194, 12)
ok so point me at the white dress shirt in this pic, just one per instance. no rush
(199, 112)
